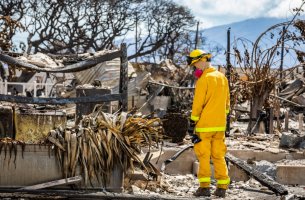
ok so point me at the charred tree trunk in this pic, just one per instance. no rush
(257, 104)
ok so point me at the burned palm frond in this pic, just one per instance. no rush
(8, 145)
(103, 141)
(1, 146)
(14, 148)
(22, 147)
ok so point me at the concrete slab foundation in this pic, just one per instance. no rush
(39, 165)
(265, 155)
(290, 175)
(186, 164)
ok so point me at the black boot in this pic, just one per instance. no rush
(220, 192)
(202, 192)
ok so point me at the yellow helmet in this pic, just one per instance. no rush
(196, 55)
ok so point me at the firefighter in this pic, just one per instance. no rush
(208, 122)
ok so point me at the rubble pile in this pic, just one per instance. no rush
(294, 91)
(291, 140)
(185, 185)
(165, 72)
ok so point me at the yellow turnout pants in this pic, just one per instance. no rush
(213, 146)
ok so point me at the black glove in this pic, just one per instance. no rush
(191, 127)
(195, 139)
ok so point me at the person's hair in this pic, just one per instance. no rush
(207, 59)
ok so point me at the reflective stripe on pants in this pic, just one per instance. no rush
(212, 146)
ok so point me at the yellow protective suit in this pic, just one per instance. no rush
(210, 107)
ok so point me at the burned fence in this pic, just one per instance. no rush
(80, 66)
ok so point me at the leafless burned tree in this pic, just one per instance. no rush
(260, 66)
(11, 12)
(79, 26)
(161, 24)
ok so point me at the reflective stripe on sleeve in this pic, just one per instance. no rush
(194, 118)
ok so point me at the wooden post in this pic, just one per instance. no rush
(5, 86)
(301, 122)
(228, 75)
(286, 120)
(271, 121)
(124, 78)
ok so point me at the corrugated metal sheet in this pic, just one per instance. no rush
(106, 72)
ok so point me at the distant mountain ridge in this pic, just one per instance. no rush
(249, 29)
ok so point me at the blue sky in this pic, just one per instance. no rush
(219, 12)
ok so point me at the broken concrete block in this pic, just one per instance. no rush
(138, 176)
(266, 167)
(290, 174)
(237, 174)
(289, 140)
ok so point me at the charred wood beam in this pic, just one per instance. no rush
(260, 177)
(13, 54)
(35, 100)
(80, 66)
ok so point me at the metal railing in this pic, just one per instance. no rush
(44, 88)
